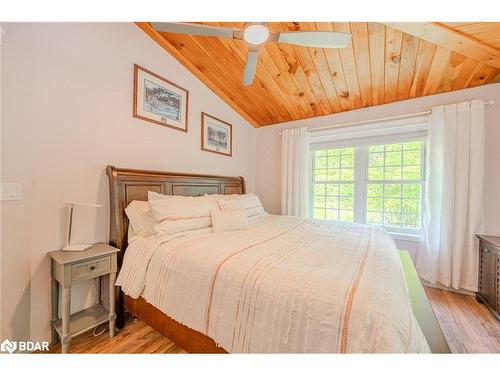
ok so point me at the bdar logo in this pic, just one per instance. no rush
(8, 346)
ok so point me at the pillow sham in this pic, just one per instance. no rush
(228, 204)
(248, 201)
(153, 195)
(182, 225)
(228, 220)
(255, 211)
(173, 207)
(140, 218)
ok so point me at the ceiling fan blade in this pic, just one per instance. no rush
(250, 67)
(194, 29)
(318, 39)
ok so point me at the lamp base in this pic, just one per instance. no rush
(76, 247)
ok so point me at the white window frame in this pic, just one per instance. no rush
(361, 178)
(400, 230)
(312, 182)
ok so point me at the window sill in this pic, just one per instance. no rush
(405, 236)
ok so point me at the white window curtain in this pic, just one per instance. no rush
(295, 172)
(453, 211)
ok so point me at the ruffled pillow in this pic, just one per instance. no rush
(141, 221)
(182, 225)
(174, 207)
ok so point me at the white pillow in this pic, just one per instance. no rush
(228, 204)
(153, 195)
(229, 220)
(248, 200)
(182, 225)
(140, 218)
(173, 207)
(251, 212)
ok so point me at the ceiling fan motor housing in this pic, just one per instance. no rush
(256, 34)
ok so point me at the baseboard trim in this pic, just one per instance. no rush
(443, 287)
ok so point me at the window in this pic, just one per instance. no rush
(380, 184)
(334, 184)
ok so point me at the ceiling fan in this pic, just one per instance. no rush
(255, 35)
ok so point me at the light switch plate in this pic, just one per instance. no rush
(11, 191)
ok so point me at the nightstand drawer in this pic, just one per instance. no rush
(90, 269)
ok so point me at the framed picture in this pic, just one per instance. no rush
(216, 135)
(160, 101)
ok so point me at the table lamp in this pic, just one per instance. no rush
(71, 207)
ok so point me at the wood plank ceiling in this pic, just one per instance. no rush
(384, 63)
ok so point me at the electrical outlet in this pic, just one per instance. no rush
(11, 191)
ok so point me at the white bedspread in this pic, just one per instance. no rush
(286, 285)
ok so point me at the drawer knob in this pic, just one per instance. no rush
(92, 267)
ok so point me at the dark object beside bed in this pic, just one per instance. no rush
(127, 185)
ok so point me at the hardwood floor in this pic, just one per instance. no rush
(135, 337)
(467, 325)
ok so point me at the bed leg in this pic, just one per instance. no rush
(120, 310)
(478, 299)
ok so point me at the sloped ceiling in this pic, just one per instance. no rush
(383, 63)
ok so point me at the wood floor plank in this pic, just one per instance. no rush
(135, 337)
(468, 326)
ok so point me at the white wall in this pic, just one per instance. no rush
(17, 160)
(268, 146)
(67, 100)
(1, 36)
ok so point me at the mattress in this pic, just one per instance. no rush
(285, 285)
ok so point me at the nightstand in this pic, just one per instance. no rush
(489, 273)
(72, 267)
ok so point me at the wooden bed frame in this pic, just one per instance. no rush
(126, 185)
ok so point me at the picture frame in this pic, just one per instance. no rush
(216, 135)
(159, 100)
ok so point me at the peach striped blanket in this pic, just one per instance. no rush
(285, 285)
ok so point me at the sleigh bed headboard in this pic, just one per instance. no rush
(126, 185)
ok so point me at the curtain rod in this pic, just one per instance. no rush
(424, 113)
